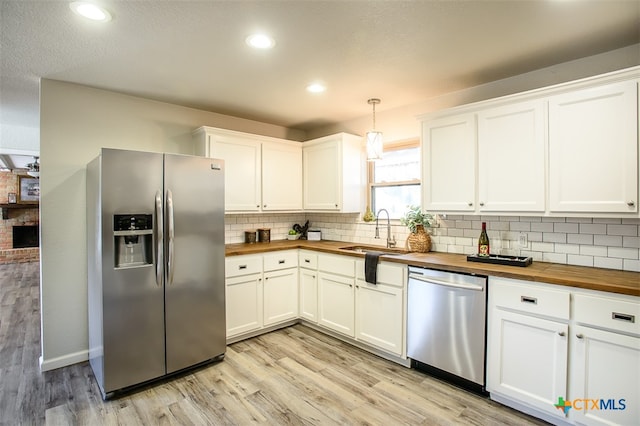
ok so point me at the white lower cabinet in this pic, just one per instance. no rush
(605, 361)
(336, 303)
(379, 314)
(552, 345)
(528, 359)
(280, 288)
(244, 304)
(528, 343)
(280, 296)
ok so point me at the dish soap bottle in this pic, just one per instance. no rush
(483, 241)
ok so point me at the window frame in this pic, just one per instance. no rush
(392, 146)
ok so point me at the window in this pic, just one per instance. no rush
(394, 181)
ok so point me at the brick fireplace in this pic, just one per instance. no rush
(23, 221)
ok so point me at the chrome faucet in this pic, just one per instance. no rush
(391, 241)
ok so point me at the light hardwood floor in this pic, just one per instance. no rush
(292, 376)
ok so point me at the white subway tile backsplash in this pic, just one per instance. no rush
(627, 230)
(521, 226)
(543, 247)
(568, 248)
(607, 240)
(594, 251)
(631, 265)
(623, 253)
(580, 238)
(568, 228)
(542, 227)
(605, 243)
(575, 259)
(606, 220)
(593, 228)
(607, 262)
(631, 242)
(554, 257)
(552, 237)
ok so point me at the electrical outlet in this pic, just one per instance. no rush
(523, 240)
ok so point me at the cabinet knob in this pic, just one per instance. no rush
(481, 203)
(258, 206)
(579, 336)
(631, 203)
(264, 206)
(561, 333)
(470, 204)
(336, 206)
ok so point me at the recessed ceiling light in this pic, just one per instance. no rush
(90, 11)
(316, 88)
(260, 41)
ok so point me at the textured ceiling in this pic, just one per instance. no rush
(193, 53)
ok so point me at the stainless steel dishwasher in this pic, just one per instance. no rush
(446, 315)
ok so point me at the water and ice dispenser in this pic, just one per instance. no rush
(133, 239)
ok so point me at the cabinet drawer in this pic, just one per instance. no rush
(388, 273)
(242, 265)
(280, 260)
(341, 265)
(308, 260)
(529, 298)
(606, 312)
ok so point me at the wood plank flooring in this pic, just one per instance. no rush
(294, 376)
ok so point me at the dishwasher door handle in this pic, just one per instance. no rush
(445, 283)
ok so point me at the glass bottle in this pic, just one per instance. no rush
(483, 241)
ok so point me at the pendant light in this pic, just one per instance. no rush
(374, 138)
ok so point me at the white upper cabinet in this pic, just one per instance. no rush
(332, 170)
(281, 176)
(511, 158)
(570, 148)
(593, 149)
(449, 163)
(261, 173)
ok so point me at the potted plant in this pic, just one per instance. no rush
(416, 220)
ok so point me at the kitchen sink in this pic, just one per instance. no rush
(364, 249)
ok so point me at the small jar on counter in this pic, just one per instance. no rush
(250, 236)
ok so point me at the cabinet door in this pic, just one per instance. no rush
(281, 177)
(280, 296)
(335, 303)
(527, 360)
(309, 295)
(511, 174)
(322, 176)
(605, 366)
(379, 316)
(449, 163)
(244, 304)
(242, 180)
(593, 150)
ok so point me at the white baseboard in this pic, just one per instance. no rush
(63, 361)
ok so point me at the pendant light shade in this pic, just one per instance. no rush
(374, 138)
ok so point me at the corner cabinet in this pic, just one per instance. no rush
(593, 150)
(261, 173)
(332, 173)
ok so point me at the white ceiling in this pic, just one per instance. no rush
(193, 53)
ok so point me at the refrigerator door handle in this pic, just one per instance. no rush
(170, 235)
(159, 226)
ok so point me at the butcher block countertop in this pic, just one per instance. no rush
(623, 282)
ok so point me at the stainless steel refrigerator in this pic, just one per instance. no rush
(155, 225)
